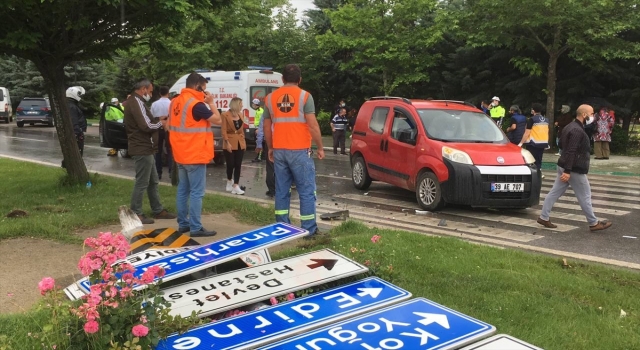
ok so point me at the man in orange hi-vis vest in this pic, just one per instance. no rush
(192, 143)
(292, 113)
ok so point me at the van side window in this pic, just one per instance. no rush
(403, 124)
(378, 119)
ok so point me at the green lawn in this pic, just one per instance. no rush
(532, 297)
(55, 211)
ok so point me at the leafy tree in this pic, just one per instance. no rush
(391, 39)
(21, 78)
(591, 32)
(228, 39)
(53, 33)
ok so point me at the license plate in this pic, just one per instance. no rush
(507, 187)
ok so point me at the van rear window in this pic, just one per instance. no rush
(1, 95)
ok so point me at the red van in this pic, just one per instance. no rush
(444, 151)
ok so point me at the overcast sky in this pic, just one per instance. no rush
(301, 6)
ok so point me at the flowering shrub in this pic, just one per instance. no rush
(113, 315)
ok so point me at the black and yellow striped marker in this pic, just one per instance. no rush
(161, 237)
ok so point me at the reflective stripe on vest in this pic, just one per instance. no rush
(290, 129)
(183, 121)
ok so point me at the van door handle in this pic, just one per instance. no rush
(382, 145)
(386, 145)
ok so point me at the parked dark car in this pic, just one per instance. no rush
(34, 110)
(113, 135)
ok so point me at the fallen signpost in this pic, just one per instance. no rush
(239, 288)
(417, 324)
(201, 257)
(267, 325)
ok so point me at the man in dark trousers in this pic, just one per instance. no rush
(78, 120)
(573, 167)
(142, 135)
(339, 125)
(262, 147)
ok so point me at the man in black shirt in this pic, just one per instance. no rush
(573, 167)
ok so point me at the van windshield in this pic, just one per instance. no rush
(460, 126)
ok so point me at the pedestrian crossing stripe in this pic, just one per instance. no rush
(161, 237)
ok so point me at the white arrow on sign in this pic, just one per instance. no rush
(431, 318)
(373, 292)
(235, 289)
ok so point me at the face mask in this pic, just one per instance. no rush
(146, 97)
(494, 103)
(342, 105)
(589, 120)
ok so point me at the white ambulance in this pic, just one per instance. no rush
(246, 84)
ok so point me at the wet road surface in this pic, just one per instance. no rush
(616, 198)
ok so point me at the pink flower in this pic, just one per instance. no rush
(273, 301)
(147, 277)
(140, 330)
(46, 285)
(91, 327)
(291, 296)
(375, 238)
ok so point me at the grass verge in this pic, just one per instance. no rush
(55, 211)
(532, 297)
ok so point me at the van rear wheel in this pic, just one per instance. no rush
(359, 174)
(429, 192)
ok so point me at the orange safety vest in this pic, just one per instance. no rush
(191, 140)
(286, 109)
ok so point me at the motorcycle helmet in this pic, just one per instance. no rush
(75, 92)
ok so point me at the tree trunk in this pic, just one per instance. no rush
(53, 75)
(385, 82)
(551, 93)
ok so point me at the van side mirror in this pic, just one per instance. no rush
(408, 136)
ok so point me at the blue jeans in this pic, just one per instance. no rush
(191, 186)
(295, 166)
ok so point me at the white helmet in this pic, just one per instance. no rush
(75, 92)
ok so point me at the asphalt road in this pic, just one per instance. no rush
(616, 198)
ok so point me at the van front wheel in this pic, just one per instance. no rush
(429, 192)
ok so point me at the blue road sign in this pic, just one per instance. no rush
(215, 253)
(273, 323)
(417, 324)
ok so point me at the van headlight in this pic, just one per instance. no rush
(455, 155)
(528, 157)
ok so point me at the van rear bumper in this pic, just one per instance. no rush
(4, 115)
(471, 185)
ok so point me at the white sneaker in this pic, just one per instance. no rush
(543, 176)
(237, 190)
(557, 154)
(229, 186)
